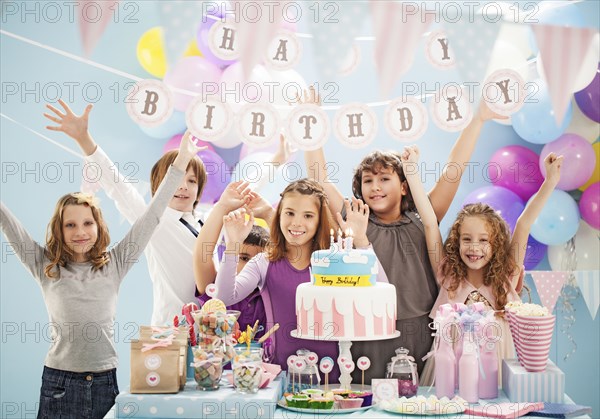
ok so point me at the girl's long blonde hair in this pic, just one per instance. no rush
(308, 187)
(57, 250)
(502, 264)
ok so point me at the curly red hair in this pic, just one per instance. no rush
(502, 264)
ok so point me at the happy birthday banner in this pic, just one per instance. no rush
(308, 126)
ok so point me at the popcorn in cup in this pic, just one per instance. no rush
(247, 369)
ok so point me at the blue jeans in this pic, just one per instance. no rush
(77, 395)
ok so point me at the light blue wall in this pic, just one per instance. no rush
(42, 175)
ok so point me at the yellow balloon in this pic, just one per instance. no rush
(259, 222)
(151, 52)
(596, 175)
(192, 50)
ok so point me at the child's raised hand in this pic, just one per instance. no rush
(552, 164)
(235, 195)
(310, 96)
(75, 126)
(283, 151)
(237, 227)
(410, 154)
(187, 150)
(357, 219)
(259, 206)
(484, 113)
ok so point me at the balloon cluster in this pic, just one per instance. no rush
(516, 173)
(199, 67)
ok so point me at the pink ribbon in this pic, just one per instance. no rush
(162, 343)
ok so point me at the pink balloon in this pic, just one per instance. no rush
(589, 205)
(579, 160)
(192, 73)
(517, 169)
(173, 143)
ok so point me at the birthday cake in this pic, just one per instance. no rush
(344, 301)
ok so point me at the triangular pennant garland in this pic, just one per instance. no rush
(472, 39)
(332, 45)
(563, 50)
(589, 285)
(397, 35)
(94, 16)
(549, 284)
(179, 20)
(254, 34)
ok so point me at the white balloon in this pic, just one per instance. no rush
(287, 84)
(506, 55)
(254, 168)
(582, 125)
(587, 249)
(589, 66)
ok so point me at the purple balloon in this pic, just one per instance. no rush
(589, 205)
(534, 254)
(218, 176)
(202, 38)
(588, 99)
(505, 202)
(191, 73)
(516, 168)
(229, 155)
(578, 164)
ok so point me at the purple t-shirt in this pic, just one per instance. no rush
(278, 282)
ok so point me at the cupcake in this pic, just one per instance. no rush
(298, 400)
(313, 392)
(318, 402)
(365, 395)
(351, 403)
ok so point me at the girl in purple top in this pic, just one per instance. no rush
(300, 226)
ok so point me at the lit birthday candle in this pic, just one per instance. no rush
(331, 241)
(339, 239)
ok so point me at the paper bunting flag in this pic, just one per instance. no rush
(397, 33)
(257, 24)
(589, 285)
(332, 44)
(179, 20)
(472, 40)
(94, 16)
(548, 285)
(563, 50)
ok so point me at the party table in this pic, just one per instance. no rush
(226, 403)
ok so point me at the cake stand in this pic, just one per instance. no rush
(344, 344)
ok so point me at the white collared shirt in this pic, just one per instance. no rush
(170, 250)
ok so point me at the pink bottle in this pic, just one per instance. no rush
(445, 364)
(488, 385)
(458, 340)
(468, 371)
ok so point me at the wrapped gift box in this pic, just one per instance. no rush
(192, 403)
(522, 386)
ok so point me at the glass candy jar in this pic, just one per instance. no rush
(305, 379)
(404, 368)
